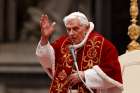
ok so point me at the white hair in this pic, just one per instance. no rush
(82, 18)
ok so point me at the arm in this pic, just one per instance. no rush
(97, 79)
(46, 58)
(44, 51)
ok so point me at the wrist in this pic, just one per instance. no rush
(44, 40)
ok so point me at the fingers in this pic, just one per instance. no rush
(44, 21)
(74, 79)
(53, 24)
(44, 17)
(46, 27)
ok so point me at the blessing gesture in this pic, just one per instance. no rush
(47, 28)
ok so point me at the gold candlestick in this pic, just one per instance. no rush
(133, 29)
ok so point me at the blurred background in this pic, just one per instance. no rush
(20, 71)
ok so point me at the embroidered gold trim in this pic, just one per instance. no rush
(62, 75)
(91, 58)
(59, 87)
(67, 56)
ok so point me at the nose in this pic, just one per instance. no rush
(70, 32)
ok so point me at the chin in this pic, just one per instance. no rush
(76, 42)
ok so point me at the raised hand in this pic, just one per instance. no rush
(47, 28)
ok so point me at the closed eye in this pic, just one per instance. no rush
(75, 28)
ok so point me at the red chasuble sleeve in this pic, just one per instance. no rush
(109, 61)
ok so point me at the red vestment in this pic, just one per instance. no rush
(96, 51)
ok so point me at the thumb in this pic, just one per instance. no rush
(53, 24)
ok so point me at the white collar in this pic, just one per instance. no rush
(86, 37)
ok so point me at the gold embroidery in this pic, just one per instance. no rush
(57, 85)
(66, 54)
(92, 53)
(62, 75)
(91, 57)
(59, 88)
(90, 63)
(61, 82)
(66, 60)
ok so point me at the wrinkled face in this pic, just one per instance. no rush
(76, 31)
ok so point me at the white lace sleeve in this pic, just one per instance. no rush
(46, 56)
(95, 81)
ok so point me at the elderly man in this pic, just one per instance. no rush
(96, 68)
